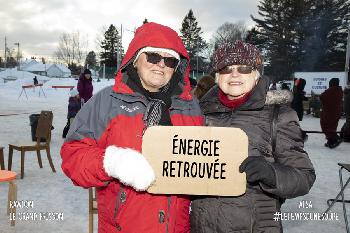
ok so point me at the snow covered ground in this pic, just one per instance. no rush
(54, 192)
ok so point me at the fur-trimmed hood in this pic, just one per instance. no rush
(260, 96)
(278, 97)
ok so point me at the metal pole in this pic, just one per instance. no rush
(347, 58)
(346, 106)
(5, 53)
(104, 71)
(197, 60)
(18, 63)
(121, 33)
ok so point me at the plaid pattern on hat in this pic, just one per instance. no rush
(236, 53)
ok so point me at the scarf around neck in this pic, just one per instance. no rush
(232, 104)
(157, 110)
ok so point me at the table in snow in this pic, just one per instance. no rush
(64, 87)
(24, 87)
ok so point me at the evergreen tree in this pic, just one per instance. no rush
(301, 35)
(112, 48)
(279, 34)
(333, 20)
(90, 60)
(315, 43)
(192, 39)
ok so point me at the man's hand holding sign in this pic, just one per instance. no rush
(196, 160)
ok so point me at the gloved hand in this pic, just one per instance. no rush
(258, 169)
(129, 167)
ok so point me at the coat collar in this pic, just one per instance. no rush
(259, 97)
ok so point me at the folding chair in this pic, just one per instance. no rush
(331, 202)
(92, 208)
(43, 131)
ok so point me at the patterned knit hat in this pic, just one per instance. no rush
(236, 53)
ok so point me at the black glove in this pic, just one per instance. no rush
(258, 169)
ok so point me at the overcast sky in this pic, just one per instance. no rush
(37, 24)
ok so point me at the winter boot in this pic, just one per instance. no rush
(333, 142)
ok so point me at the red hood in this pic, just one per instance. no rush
(155, 35)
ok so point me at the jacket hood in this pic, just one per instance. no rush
(83, 79)
(155, 35)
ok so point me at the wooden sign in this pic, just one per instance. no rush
(196, 160)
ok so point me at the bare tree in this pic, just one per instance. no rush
(226, 32)
(99, 38)
(230, 32)
(71, 48)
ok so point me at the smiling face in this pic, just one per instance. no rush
(153, 76)
(235, 84)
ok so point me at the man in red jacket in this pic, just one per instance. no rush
(331, 101)
(103, 146)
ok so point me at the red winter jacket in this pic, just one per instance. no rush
(114, 116)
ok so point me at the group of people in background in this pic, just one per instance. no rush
(331, 105)
(78, 96)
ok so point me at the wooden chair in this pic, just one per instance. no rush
(9, 176)
(92, 208)
(43, 131)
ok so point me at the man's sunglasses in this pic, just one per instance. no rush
(155, 58)
(240, 69)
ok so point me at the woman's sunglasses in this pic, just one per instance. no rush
(240, 69)
(155, 58)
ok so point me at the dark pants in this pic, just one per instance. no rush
(329, 126)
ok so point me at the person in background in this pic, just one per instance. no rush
(315, 104)
(242, 100)
(35, 81)
(298, 98)
(203, 86)
(331, 101)
(285, 86)
(273, 86)
(103, 146)
(193, 83)
(85, 87)
(74, 105)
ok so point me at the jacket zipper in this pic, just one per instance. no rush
(252, 219)
(168, 219)
(121, 198)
